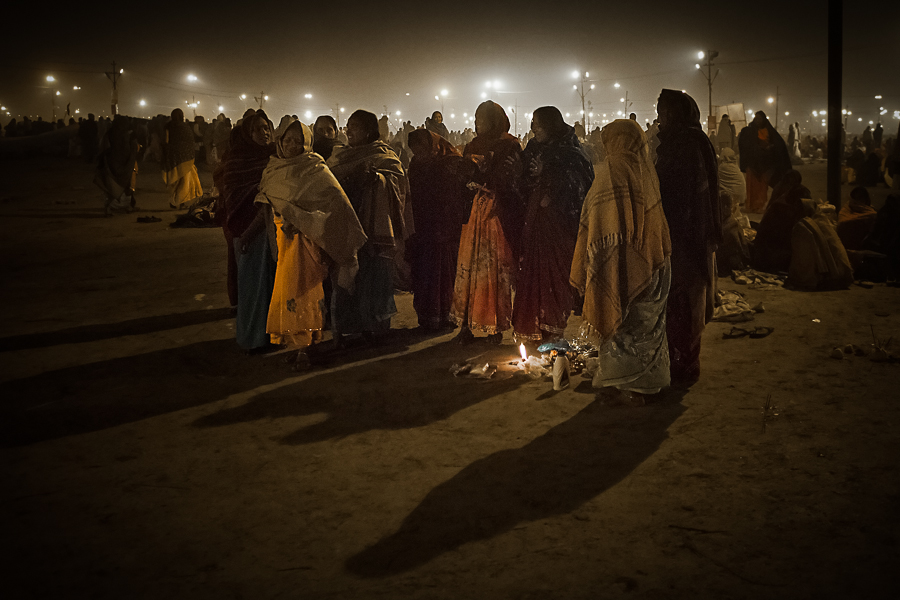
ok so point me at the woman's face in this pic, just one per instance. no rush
(292, 142)
(356, 135)
(260, 132)
(438, 117)
(540, 134)
(326, 130)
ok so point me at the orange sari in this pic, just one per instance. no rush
(482, 294)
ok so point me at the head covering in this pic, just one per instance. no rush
(369, 123)
(681, 110)
(623, 237)
(306, 194)
(552, 121)
(493, 120)
(286, 122)
(177, 115)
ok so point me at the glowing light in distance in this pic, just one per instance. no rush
(342, 109)
(307, 96)
(465, 114)
(407, 93)
(821, 112)
(76, 87)
(496, 85)
(487, 84)
(567, 114)
(397, 113)
(308, 114)
(592, 86)
(697, 65)
(771, 99)
(574, 74)
(51, 78)
(444, 93)
(192, 78)
(58, 93)
(616, 85)
(221, 108)
(437, 98)
(574, 87)
(859, 119)
(815, 113)
(265, 97)
(452, 115)
(878, 97)
(787, 114)
(121, 71)
(484, 94)
(143, 103)
(77, 110)
(700, 55)
(243, 96)
(621, 99)
(2, 108)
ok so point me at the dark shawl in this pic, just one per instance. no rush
(771, 249)
(769, 158)
(494, 142)
(566, 175)
(431, 124)
(180, 146)
(437, 188)
(688, 182)
(239, 174)
(121, 152)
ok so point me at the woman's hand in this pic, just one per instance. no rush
(535, 167)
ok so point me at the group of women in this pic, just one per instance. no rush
(473, 226)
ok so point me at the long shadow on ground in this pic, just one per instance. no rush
(553, 475)
(106, 394)
(356, 399)
(102, 331)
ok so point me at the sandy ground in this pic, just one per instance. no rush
(143, 456)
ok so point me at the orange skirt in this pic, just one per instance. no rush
(757, 192)
(482, 293)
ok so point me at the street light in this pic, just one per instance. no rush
(243, 96)
(192, 78)
(581, 94)
(51, 78)
(710, 78)
(307, 96)
(143, 103)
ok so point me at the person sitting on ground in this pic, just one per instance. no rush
(856, 219)
(885, 235)
(771, 250)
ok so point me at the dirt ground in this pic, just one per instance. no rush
(143, 456)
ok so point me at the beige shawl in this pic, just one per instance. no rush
(303, 191)
(623, 236)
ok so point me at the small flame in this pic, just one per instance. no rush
(522, 351)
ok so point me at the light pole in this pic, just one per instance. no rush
(710, 55)
(775, 101)
(114, 77)
(583, 77)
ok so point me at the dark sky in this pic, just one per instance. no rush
(371, 55)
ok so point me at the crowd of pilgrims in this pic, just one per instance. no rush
(490, 232)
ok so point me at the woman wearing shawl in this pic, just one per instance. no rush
(314, 222)
(622, 267)
(245, 224)
(117, 171)
(179, 172)
(482, 294)
(689, 188)
(437, 189)
(764, 160)
(325, 136)
(559, 176)
(771, 250)
(856, 219)
(373, 179)
(731, 181)
(436, 124)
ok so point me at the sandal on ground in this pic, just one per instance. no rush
(761, 332)
(736, 332)
(302, 362)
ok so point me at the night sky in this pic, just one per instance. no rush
(400, 55)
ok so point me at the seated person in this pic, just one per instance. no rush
(856, 219)
(771, 250)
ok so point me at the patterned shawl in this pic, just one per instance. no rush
(623, 237)
(239, 174)
(303, 191)
(374, 180)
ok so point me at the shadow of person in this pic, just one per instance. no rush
(409, 390)
(552, 475)
(105, 394)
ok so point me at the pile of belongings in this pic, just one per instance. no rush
(757, 280)
(732, 308)
(201, 213)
